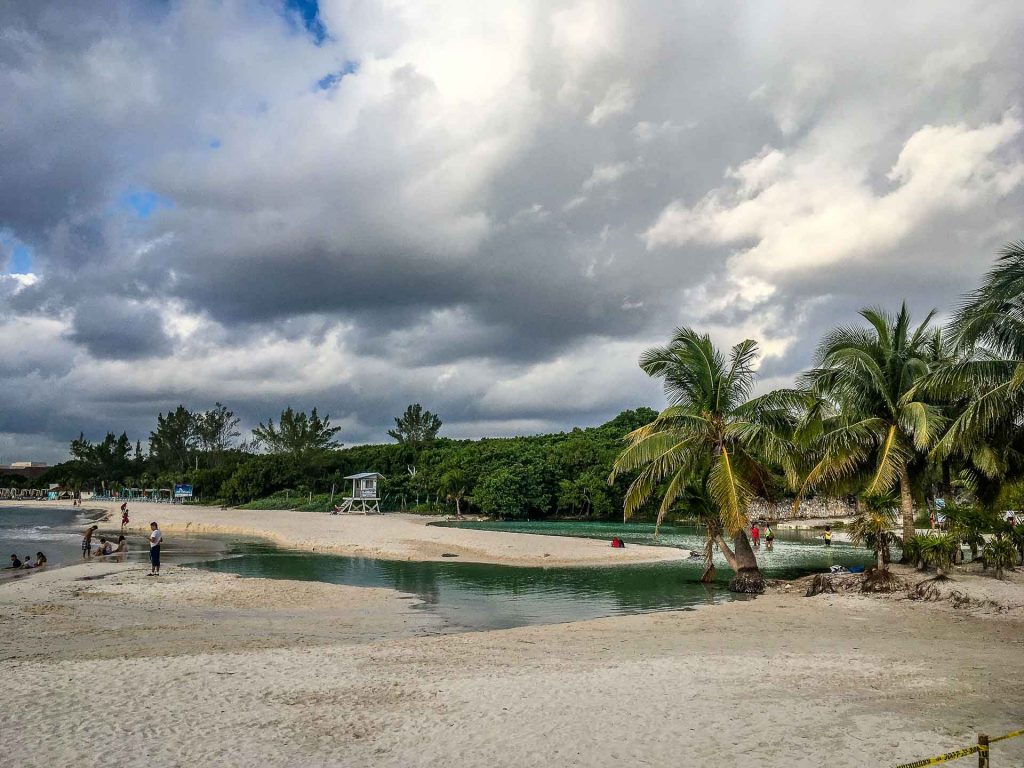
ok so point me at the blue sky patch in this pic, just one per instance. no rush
(330, 80)
(307, 13)
(21, 255)
(143, 202)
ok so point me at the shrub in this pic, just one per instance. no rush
(1000, 554)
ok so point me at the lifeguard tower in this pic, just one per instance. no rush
(364, 496)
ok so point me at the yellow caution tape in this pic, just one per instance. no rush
(960, 752)
(1007, 735)
(941, 758)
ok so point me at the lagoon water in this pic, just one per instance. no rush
(476, 596)
(466, 595)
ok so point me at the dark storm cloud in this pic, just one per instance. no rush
(493, 225)
(116, 328)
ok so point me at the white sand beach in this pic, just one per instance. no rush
(390, 536)
(194, 667)
(201, 668)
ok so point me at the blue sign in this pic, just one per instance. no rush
(182, 491)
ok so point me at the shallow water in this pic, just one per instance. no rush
(477, 596)
(50, 530)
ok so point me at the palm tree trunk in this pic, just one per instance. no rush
(741, 559)
(906, 504)
(880, 558)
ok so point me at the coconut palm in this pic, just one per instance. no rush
(987, 383)
(868, 415)
(711, 442)
(940, 550)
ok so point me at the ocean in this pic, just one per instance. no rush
(54, 531)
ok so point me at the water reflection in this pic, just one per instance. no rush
(479, 596)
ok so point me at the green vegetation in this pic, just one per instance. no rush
(872, 528)
(416, 426)
(867, 419)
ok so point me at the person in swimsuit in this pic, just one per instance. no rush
(828, 536)
(87, 540)
(755, 536)
(40, 559)
(769, 537)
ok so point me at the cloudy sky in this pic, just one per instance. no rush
(487, 207)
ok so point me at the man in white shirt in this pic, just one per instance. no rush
(155, 538)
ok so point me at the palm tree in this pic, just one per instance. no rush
(868, 415)
(1000, 554)
(710, 443)
(987, 382)
(873, 528)
(454, 487)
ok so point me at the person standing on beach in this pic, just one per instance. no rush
(755, 536)
(769, 537)
(155, 537)
(828, 536)
(87, 541)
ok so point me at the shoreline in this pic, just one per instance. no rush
(391, 536)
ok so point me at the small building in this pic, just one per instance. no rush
(26, 469)
(365, 496)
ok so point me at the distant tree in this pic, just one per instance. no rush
(106, 461)
(415, 426)
(217, 429)
(585, 494)
(297, 434)
(172, 442)
(503, 493)
(454, 488)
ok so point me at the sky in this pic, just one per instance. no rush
(489, 208)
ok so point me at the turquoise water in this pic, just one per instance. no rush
(796, 553)
(476, 596)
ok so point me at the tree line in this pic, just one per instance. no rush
(299, 456)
